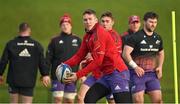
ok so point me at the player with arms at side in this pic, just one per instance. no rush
(134, 25)
(25, 56)
(145, 54)
(62, 47)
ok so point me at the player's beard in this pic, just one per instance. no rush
(150, 28)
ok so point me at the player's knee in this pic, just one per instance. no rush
(138, 99)
(68, 101)
(157, 100)
(57, 100)
(58, 95)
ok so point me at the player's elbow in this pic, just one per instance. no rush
(124, 55)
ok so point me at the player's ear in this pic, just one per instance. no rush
(96, 19)
(112, 22)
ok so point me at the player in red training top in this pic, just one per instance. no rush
(105, 55)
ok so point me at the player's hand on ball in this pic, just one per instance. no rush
(71, 78)
(46, 81)
(139, 71)
(159, 72)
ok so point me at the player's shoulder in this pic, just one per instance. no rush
(124, 34)
(56, 36)
(157, 35)
(36, 42)
(139, 34)
(12, 40)
(76, 36)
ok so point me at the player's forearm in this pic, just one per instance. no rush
(160, 58)
(127, 57)
(126, 54)
(2, 66)
(73, 61)
(3, 63)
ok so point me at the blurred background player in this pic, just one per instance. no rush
(134, 24)
(24, 55)
(145, 54)
(61, 48)
(105, 55)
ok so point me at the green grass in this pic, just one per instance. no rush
(43, 16)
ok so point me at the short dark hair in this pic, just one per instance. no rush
(151, 15)
(23, 27)
(89, 11)
(107, 14)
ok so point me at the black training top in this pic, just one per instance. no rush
(145, 45)
(24, 55)
(61, 48)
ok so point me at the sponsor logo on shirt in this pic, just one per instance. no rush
(54, 85)
(25, 44)
(143, 42)
(117, 88)
(24, 53)
(127, 87)
(149, 49)
(133, 88)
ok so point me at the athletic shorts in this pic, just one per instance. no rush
(58, 86)
(25, 91)
(148, 82)
(116, 81)
(91, 80)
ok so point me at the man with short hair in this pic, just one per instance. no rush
(145, 54)
(61, 48)
(105, 55)
(24, 55)
(107, 21)
(134, 24)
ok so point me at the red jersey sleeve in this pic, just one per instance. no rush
(76, 59)
(98, 52)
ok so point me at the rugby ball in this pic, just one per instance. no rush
(63, 71)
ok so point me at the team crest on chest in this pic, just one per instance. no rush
(158, 41)
(61, 42)
(74, 42)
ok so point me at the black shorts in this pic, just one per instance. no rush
(26, 91)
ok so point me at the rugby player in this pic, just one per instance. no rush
(24, 55)
(144, 52)
(61, 48)
(105, 55)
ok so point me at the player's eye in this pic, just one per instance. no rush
(107, 21)
(85, 20)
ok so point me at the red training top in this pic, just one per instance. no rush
(103, 50)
